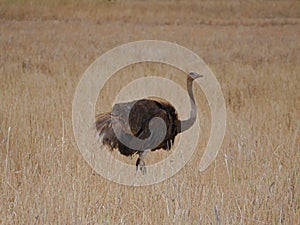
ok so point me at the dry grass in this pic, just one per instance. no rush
(253, 48)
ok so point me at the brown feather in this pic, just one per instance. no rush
(140, 115)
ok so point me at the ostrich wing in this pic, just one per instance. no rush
(140, 124)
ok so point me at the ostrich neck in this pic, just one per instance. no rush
(186, 124)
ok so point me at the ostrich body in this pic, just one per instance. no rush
(139, 114)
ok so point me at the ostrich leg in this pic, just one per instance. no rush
(140, 163)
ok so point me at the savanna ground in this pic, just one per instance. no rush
(253, 48)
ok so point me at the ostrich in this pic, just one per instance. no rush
(116, 133)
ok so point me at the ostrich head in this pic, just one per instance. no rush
(194, 75)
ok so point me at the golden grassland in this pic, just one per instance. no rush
(253, 49)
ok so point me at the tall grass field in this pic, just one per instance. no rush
(252, 47)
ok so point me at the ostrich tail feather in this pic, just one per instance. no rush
(105, 131)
